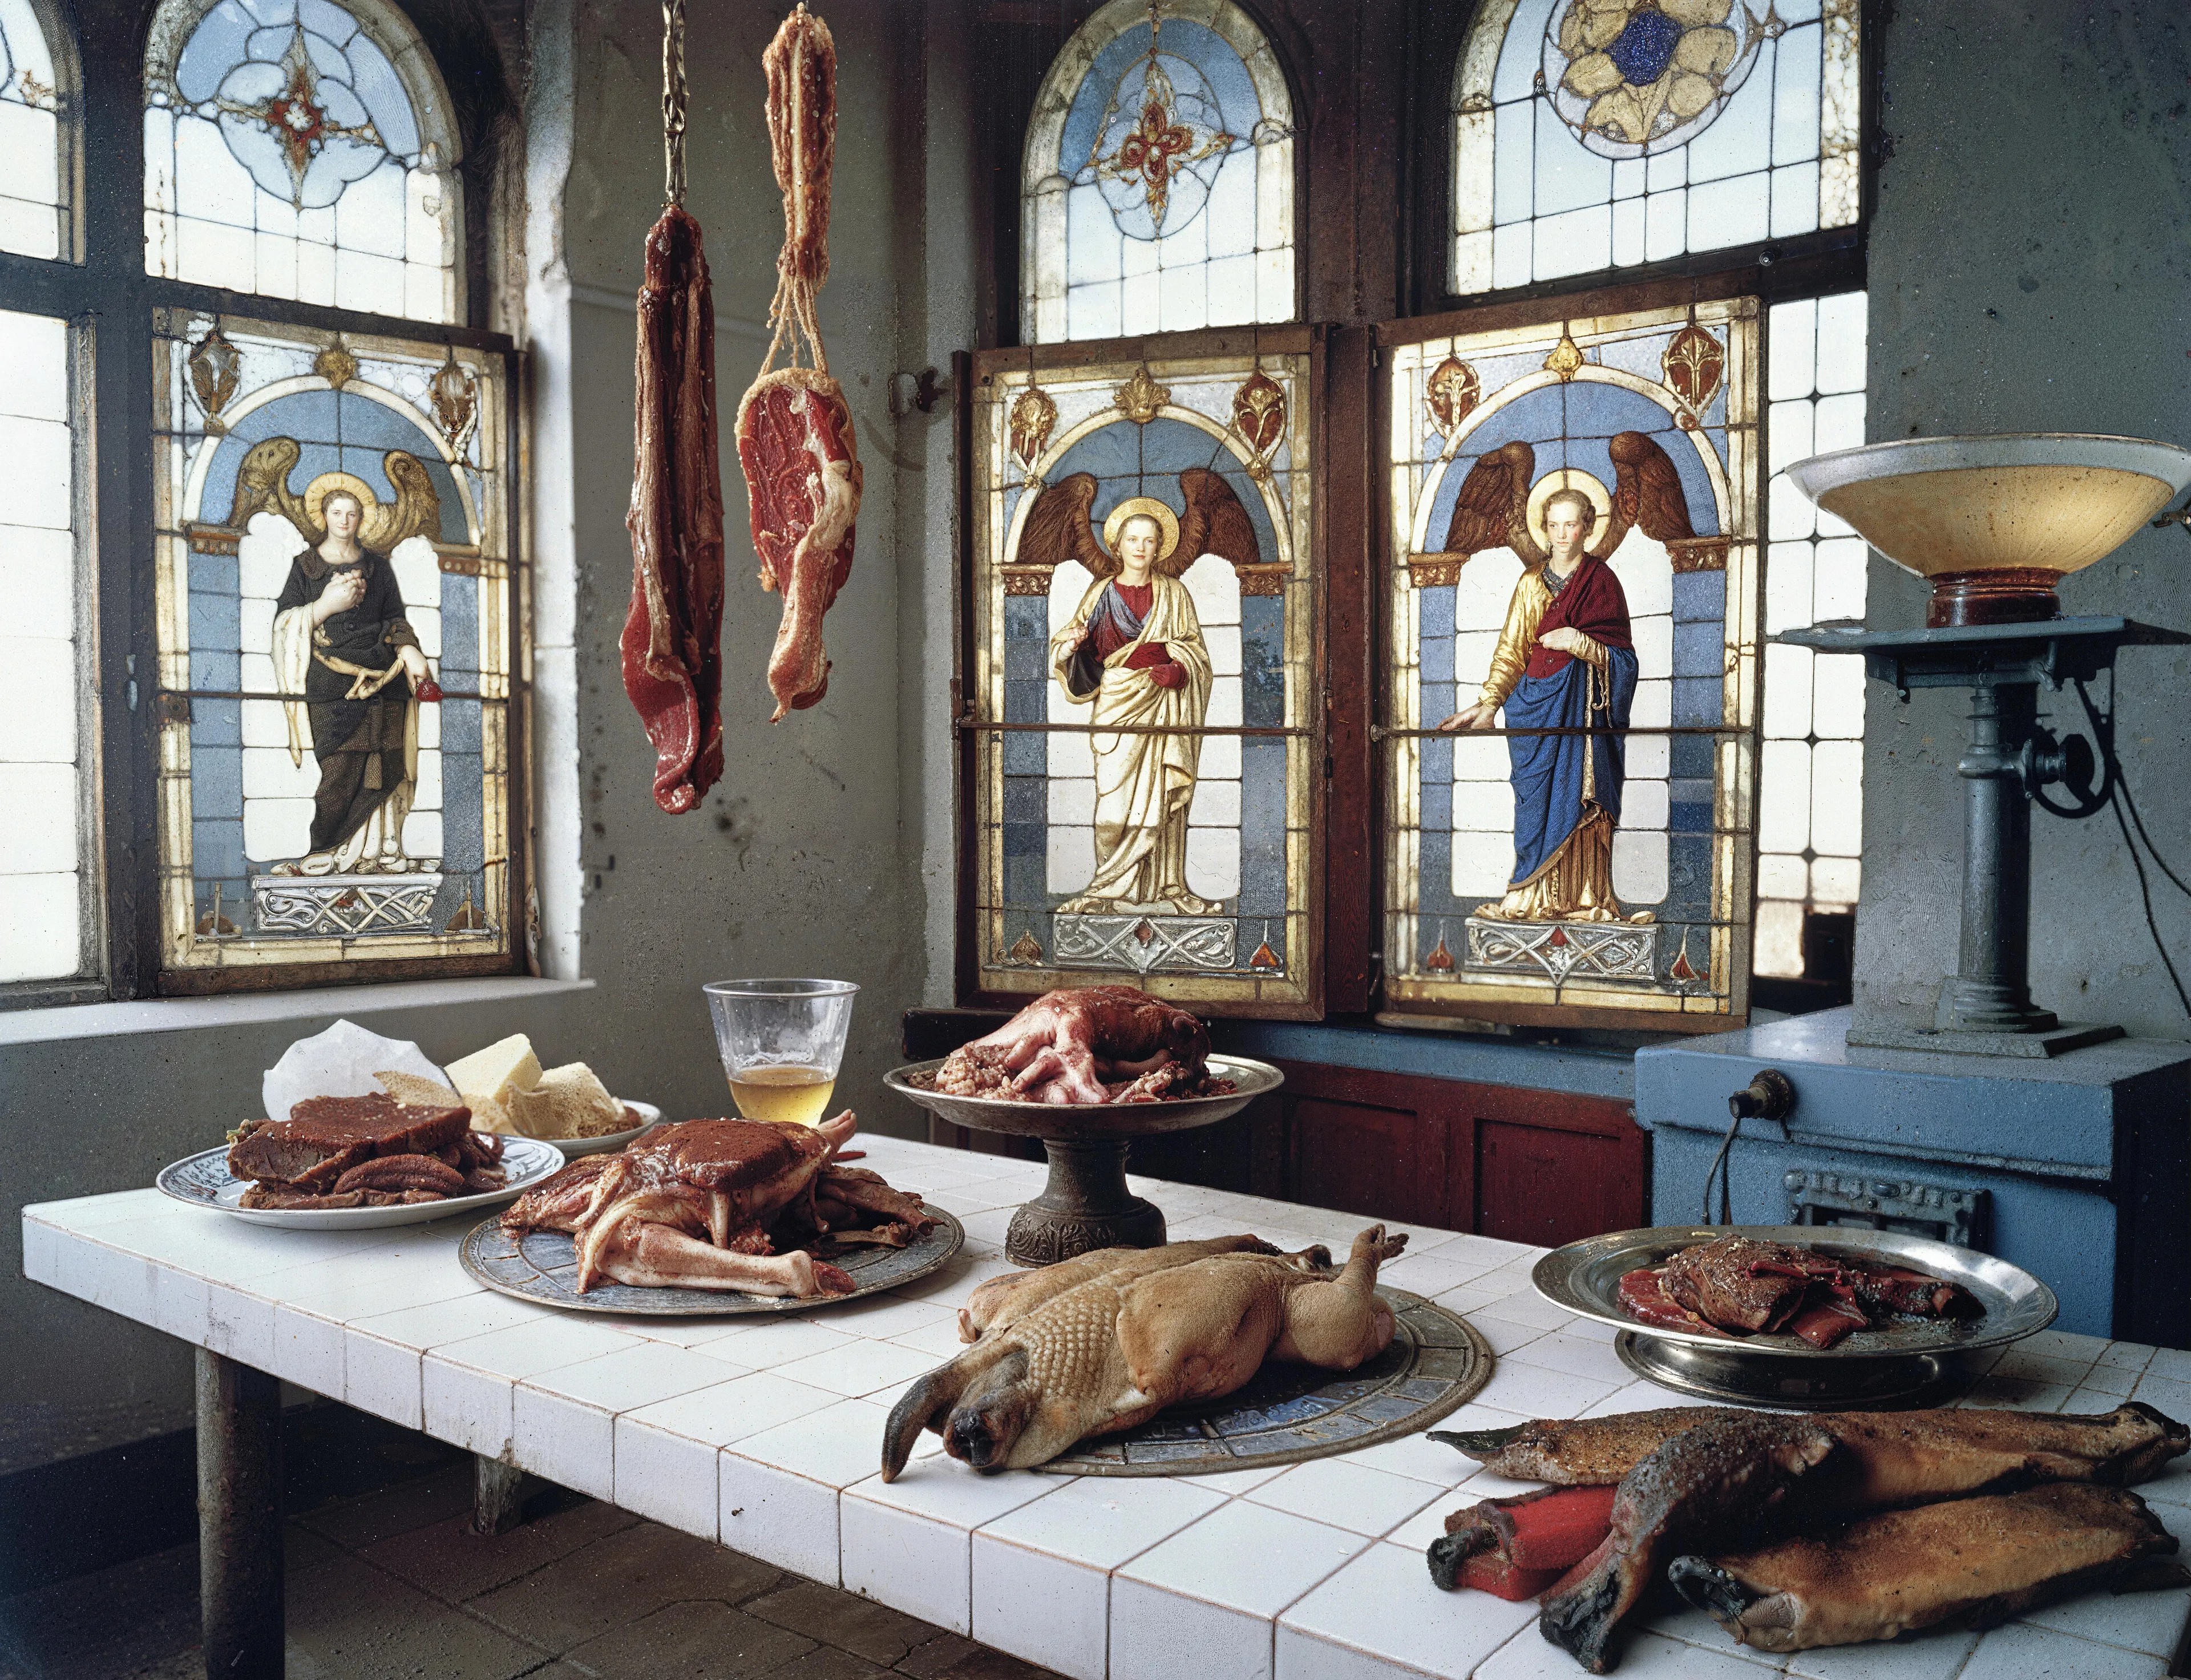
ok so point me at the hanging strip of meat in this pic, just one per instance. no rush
(794, 428)
(672, 656)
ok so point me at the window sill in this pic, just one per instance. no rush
(184, 1014)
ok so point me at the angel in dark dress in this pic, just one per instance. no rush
(343, 646)
(1566, 659)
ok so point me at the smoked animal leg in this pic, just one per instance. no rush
(1981, 1561)
(672, 636)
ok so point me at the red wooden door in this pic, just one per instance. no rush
(1549, 1186)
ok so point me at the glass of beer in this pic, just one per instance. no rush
(780, 1042)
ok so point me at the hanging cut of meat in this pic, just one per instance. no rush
(794, 428)
(672, 661)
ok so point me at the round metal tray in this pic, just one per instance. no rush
(1078, 1122)
(1290, 1413)
(543, 1266)
(1906, 1361)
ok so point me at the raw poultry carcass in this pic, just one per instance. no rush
(1098, 1044)
(1155, 1327)
(689, 1205)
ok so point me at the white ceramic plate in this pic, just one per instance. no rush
(572, 1148)
(204, 1180)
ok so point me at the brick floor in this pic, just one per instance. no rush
(393, 1585)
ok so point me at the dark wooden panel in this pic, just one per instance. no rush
(1548, 1185)
(1385, 1163)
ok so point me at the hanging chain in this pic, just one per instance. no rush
(672, 100)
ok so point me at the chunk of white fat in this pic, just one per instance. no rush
(488, 1080)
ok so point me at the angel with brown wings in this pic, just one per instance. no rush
(1566, 659)
(1133, 653)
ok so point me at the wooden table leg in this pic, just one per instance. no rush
(239, 1519)
(498, 1495)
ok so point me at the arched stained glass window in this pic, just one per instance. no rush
(1591, 134)
(37, 99)
(1157, 190)
(297, 148)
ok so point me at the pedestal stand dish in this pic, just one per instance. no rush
(1086, 1203)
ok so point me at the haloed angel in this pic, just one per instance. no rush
(1133, 652)
(1566, 659)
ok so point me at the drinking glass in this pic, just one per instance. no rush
(782, 1042)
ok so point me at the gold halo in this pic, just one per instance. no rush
(1133, 507)
(321, 488)
(1567, 477)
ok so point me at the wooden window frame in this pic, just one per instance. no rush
(103, 294)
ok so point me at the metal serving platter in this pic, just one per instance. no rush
(1906, 1361)
(543, 1266)
(1288, 1414)
(1080, 1122)
(204, 1180)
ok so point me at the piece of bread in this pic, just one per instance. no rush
(567, 1102)
(416, 1091)
(487, 1078)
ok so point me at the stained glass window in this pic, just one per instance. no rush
(37, 116)
(1144, 720)
(1810, 819)
(1157, 191)
(42, 736)
(1573, 602)
(301, 150)
(1593, 134)
(336, 651)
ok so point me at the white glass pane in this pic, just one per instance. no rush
(1781, 876)
(1839, 423)
(38, 580)
(37, 835)
(1736, 212)
(1791, 342)
(1577, 242)
(1514, 129)
(1795, 200)
(1739, 141)
(1839, 566)
(42, 916)
(1788, 587)
(1787, 511)
(1640, 863)
(1784, 802)
(1788, 434)
(1567, 176)
(1643, 804)
(1841, 343)
(1666, 225)
(33, 367)
(37, 701)
(1837, 711)
(37, 452)
(1795, 96)
(1483, 859)
(1779, 948)
(1835, 881)
(1837, 797)
(1788, 686)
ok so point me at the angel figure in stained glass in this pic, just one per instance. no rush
(1134, 651)
(351, 662)
(1566, 661)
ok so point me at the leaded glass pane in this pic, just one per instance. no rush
(1573, 597)
(1157, 187)
(1811, 785)
(1593, 134)
(1144, 597)
(297, 148)
(42, 887)
(335, 646)
(37, 112)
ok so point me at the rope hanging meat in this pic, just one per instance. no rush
(795, 427)
(672, 658)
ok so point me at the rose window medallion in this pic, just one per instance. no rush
(1633, 77)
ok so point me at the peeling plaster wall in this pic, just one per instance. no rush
(2030, 263)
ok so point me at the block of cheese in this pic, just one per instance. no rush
(568, 1102)
(486, 1079)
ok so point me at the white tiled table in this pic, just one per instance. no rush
(766, 1433)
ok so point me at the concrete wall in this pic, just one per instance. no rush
(827, 848)
(2031, 271)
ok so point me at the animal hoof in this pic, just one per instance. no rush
(1711, 1588)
